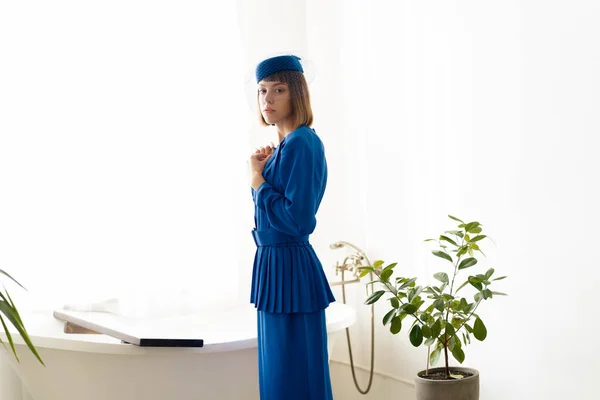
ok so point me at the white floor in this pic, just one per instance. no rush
(383, 388)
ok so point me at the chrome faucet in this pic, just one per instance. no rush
(353, 267)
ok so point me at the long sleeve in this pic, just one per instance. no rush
(302, 171)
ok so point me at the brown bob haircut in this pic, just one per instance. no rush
(299, 95)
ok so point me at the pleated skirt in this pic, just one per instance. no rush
(293, 362)
(289, 278)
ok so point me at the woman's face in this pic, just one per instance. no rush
(275, 101)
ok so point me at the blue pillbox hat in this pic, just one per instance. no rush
(277, 64)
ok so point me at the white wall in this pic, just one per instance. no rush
(114, 127)
(487, 110)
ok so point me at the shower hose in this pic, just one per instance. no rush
(361, 391)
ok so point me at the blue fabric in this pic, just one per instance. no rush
(287, 275)
(277, 64)
(293, 356)
(269, 237)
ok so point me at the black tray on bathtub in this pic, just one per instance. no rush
(139, 332)
(148, 342)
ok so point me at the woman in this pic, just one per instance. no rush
(289, 287)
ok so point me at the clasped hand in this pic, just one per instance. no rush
(258, 160)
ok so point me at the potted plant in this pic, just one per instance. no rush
(8, 308)
(446, 324)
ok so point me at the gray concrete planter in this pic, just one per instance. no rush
(459, 389)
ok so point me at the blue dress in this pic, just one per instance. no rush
(289, 287)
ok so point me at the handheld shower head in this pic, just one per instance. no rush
(341, 243)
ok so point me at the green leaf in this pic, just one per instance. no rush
(364, 271)
(500, 293)
(378, 264)
(388, 317)
(456, 322)
(486, 293)
(447, 297)
(395, 302)
(439, 304)
(390, 266)
(418, 303)
(456, 219)
(412, 293)
(475, 282)
(451, 343)
(479, 330)
(13, 317)
(489, 273)
(443, 287)
(447, 239)
(449, 329)
(499, 279)
(471, 308)
(396, 325)
(417, 299)
(426, 317)
(478, 238)
(471, 225)
(442, 277)
(14, 307)
(434, 357)
(374, 297)
(436, 329)
(11, 278)
(408, 283)
(462, 250)
(476, 230)
(9, 336)
(467, 262)
(478, 297)
(459, 354)
(442, 254)
(416, 336)
(408, 308)
(385, 275)
(458, 342)
(429, 341)
(426, 330)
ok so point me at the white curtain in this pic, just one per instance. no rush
(123, 141)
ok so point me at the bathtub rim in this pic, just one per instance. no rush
(339, 316)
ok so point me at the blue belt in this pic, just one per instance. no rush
(268, 237)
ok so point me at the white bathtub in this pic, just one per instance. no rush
(100, 367)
